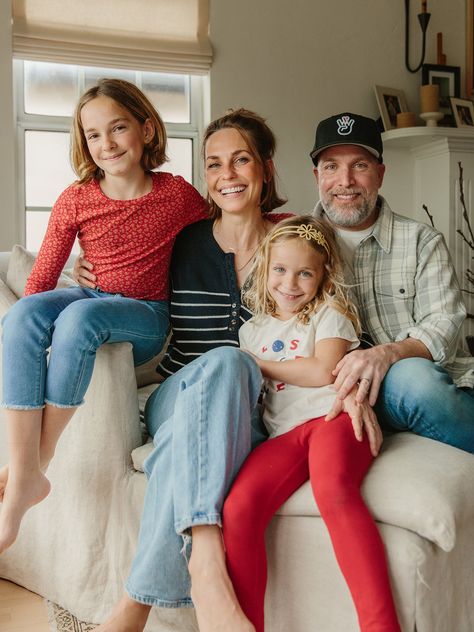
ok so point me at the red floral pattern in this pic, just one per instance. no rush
(129, 242)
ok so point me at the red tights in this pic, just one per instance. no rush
(335, 462)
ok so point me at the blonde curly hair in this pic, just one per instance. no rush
(332, 291)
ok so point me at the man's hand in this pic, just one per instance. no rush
(362, 417)
(82, 272)
(365, 367)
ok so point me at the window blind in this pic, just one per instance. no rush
(154, 35)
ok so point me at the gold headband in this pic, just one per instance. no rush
(306, 231)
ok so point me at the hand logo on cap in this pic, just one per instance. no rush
(344, 125)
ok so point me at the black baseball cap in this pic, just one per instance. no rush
(348, 129)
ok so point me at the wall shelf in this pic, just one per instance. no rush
(413, 138)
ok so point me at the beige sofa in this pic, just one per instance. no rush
(75, 548)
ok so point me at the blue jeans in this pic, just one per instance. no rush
(74, 326)
(418, 395)
(200, 420)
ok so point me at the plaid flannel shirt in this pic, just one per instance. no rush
(405, 286)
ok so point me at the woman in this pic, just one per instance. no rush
(200, 416)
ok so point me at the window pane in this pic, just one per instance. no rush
(36, 224)
(169, 94)
(47, 168)
(50, 88)
(92, 75)
(180, 153)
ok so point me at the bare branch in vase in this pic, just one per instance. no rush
(425, 208)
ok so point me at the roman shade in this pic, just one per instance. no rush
(154, 35)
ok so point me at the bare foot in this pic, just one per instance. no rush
(4, 476)
(217, 607)
(127, 616)
(20, 494)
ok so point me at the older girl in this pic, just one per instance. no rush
(127, 218)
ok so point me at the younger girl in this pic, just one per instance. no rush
(127, 218)
(303, 325)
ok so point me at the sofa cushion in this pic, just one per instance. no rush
(7, 298)
(415, 483)
(19, 267)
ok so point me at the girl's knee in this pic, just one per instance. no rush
(79, 325)
(25, 318)
(333, 493)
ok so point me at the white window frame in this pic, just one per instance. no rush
(25, 122)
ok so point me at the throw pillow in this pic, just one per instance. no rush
(7, 298)
(19, 267)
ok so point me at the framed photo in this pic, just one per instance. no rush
(391, 102)
(463, 111)
(449, 80)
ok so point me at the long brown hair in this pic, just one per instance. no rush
(132, 99)
(262, 144)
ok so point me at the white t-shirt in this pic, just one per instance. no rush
(348, 240)
(287, 405)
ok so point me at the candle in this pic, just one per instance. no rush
(406, 119)
(429, 98)
(423, 6)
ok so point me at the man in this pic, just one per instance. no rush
(405, 285)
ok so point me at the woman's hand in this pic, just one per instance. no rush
(82, 272)
(362, 417)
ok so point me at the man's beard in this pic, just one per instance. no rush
(349, 215)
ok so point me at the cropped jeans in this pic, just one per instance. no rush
(73, 323)
(200, 421)
(419, 395)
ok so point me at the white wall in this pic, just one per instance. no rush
(300, 61)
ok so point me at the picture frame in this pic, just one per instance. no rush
(463, 112)
(391, 102)
(448, 79)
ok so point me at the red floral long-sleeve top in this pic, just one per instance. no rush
(129, 242)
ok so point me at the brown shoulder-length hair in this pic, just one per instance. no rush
(333, 291)
(262, 145)
(132, 99)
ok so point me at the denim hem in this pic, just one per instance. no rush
(50, 403)
(21, 407)
(183, 527)
(185, 602)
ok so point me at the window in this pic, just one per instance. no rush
(46, 94)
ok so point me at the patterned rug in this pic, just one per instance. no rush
(61, 620)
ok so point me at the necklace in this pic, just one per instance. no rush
(248, 260)
(218, 234)
(253, 247)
